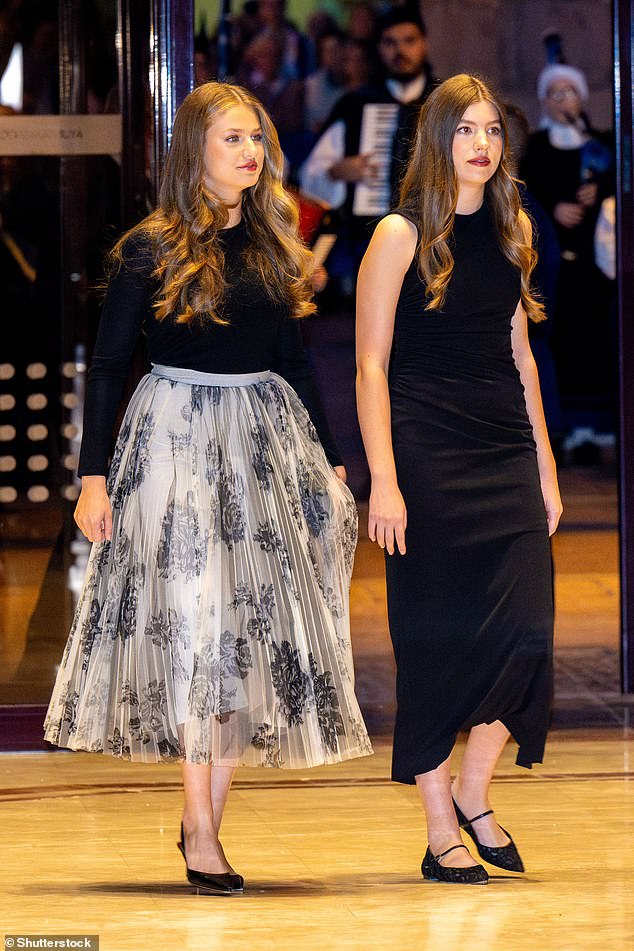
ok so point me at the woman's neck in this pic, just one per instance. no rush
(470, 199)
(235, 213)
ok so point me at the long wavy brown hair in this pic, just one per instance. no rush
(183, 229)
(430, 190)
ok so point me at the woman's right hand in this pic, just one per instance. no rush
(93, 513)
(569, 214)
(355, 169)
(388, 516)
(587, 194)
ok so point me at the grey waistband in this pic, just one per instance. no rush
(198, 378)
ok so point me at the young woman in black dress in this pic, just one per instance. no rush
(464, 487)
(213, 626)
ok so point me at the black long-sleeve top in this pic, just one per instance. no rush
(260, 335)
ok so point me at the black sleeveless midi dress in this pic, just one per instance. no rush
(470, 604)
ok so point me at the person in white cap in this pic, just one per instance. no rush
(568, 168)
(563, 92)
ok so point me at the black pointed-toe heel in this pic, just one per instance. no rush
(502, 856)
(433, 871)
(221, 883)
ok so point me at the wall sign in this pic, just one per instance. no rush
(60, 135)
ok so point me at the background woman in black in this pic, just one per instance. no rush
(464, 488)
(213, 625)
(569, 169)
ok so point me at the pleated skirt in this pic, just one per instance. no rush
(214, 626)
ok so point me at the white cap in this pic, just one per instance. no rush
(556, 71)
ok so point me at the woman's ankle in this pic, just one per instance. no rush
(453, 853)
(198, 824)
(440, 843)
(472, 798)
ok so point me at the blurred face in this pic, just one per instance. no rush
(356, 68)
(234, 153)
(271, 12)
(203, 72)
(517, 140)
(330, 53)
(477, 144)
(563, 102)
(403, 49)
(361, 22)
(265, 56)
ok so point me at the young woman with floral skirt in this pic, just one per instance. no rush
(213, 626)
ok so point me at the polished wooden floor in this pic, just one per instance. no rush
(331, 857)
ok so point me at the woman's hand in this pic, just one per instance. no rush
(569, 214)
(552, 503)
(588, 194)
(388, 516)
(355, 169)
(319, 279)
(93, 513)
(340, 472)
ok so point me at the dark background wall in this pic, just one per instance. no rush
(502, 39)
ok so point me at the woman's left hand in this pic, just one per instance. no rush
(552, 503)
(588, 194)
(341, 473)
(319, 279)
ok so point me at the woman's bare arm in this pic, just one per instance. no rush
(379, 283)
(525, 363)
(527, 369)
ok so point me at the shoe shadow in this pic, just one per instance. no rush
(256, 886)
(518, 878)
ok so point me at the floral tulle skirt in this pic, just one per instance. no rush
(214, 626)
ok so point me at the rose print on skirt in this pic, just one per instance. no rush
(214, 627)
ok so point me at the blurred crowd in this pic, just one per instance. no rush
(298, 76)
(317, 86)
(320, 86)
